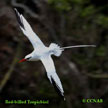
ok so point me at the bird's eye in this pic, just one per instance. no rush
(28, 58)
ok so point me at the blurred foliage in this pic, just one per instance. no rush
(60, 5)
(103, 20)
(101, 51)
(87, 11)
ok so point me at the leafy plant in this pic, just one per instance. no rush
(60, 5)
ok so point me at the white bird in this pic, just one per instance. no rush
(43, 53)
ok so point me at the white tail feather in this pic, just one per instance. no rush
(55, 49)
(77, 46)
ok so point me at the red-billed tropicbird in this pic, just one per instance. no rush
(43, 53)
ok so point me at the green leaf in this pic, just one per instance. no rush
(88, 11)
(102, 20)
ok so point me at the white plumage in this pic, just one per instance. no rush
(55, 49)
(43, 53)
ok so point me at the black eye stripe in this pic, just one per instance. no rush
(28, 58)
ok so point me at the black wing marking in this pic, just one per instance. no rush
(18, 16)
(57, 88)
(52, 75)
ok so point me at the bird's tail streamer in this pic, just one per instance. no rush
(57, 50)
(77, 46)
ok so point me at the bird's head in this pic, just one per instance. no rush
(27, 58)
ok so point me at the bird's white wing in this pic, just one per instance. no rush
(52, 75)
(27, 30)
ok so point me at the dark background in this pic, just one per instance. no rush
(83, 71)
